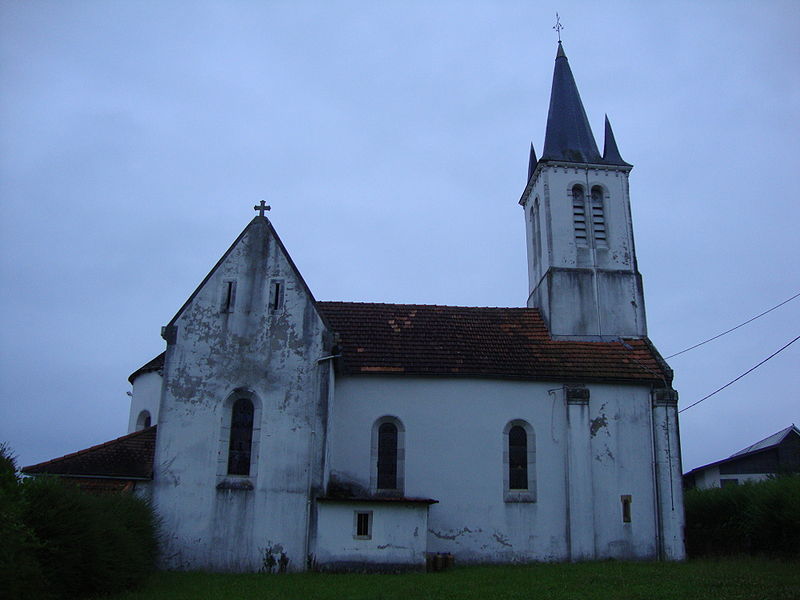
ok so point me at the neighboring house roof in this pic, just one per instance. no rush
(456, 341)
(127, 457)
(768, 443)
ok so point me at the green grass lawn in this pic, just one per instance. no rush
(744, 578)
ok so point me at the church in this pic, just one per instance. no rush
(277, 431)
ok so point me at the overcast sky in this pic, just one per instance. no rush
(391, 139)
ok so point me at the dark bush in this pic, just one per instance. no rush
(754, 518)
(69, 544)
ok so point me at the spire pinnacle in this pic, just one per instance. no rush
(610, 151)
(531, 162)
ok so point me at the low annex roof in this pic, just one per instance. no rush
(127, 457)
(457, 341)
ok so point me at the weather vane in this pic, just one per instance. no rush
(558, 27)
(262, 208)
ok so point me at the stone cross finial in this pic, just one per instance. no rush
(558, 27)
(262, 208)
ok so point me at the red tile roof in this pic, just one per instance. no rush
(455, 341)
(127, 457)
(459, 341)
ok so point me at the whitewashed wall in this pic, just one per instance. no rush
(211, 520)
(454, 453)
(145, 396)
(398, 540)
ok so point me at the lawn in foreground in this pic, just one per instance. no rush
(745, 579)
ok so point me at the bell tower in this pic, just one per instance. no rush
(582, 268)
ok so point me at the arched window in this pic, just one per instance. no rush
(579, 215)
(517, 458)
(387, 456)
(598, 216)
(241, 437)
(143, 421)
(519, 462)
(388, 453)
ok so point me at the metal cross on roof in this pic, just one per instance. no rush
(558, 27)
(262, 208)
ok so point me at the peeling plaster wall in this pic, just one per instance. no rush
(145, 395)
(454, 448)
(271, 356)
(584, 290)
(398, 541)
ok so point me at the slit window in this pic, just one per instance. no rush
(387, 456)
(228, 296)
(241, 440)
(363, 525)
(276, 291)
(517, 458)
(626, 508)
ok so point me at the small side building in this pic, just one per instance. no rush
(776, 454)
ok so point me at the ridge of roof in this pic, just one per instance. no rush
(767, 442)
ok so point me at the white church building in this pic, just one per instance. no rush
(283, 431)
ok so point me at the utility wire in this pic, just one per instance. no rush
(733, 328)
(750, 370)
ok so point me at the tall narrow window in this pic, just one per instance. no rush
(579, 215)
(387, 456)
(517, 458)
(598, 216)
(519, 462)
(241, 440)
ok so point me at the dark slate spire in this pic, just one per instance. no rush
(610, 151)
(568, 137)
(531, 162)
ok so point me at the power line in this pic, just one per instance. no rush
(750, 370)
(733, 328)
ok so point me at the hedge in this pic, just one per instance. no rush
(59, 542)
(754, 518)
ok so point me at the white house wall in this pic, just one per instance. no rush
(454, 448)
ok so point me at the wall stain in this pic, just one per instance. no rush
(456, 533)
(501, 539)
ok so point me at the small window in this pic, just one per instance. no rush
(241, 440)
(228, 296)
(143, 421)
(276, 291)
(579, 215)
(626, 508)
(387, 456)
(363, 525)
